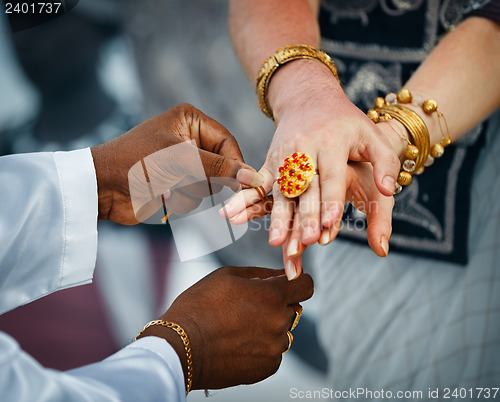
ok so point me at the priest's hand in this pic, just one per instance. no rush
(237, 320)
(181, 147)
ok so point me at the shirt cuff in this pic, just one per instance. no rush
(79, 194)
(167, 353)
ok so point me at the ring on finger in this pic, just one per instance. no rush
(268, 204)
(290, 340)
(298, 312)
(295, 174)
(262, 193)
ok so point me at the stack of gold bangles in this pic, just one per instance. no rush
(419, 153)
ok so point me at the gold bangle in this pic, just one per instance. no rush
(417, 151)
(283, 56)
(185, 341)
(429, 106)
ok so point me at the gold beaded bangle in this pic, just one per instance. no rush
(417, 151)
(429, 106)
(283, 56)
(419, 154)
(185, 341)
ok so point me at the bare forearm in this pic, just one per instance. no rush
(463, 75)
(260, 27)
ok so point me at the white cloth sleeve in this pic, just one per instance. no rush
(48, 224)
(48, 241)
(146, 370)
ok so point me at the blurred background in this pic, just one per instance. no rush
(87, 77)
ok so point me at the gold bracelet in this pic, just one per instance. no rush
(417, 151)
(283, 56)
(429, 106)
(185, 341)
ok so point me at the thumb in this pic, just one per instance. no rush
(254, 272)
(216, 165)
(296, 291)
(385, 163)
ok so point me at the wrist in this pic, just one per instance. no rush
(395, 133)
(104, 194)
(431, 122)
(180, 341)
(295, 83)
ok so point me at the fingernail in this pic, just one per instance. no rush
(325, 237)
(389, 183)
(293, 248)
(236, 217)
(307, 233)
(273, 235)
(257, 180)
(384, 243)
(250, 178)
(290, 270)
(224, 212)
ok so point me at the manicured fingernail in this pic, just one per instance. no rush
(225, 212)
(307, 233)
(384, 243)
(236, 217)
(325, 237)
(291, 271)
(389, 183)
(293, 248)
(273, 235)
(250, 178)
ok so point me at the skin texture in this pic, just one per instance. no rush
(236, 319)
(313, 115)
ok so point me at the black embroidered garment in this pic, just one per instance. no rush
(377, 45)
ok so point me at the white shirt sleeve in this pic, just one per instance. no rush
(146, 370)
(48, 241)
(48, 224)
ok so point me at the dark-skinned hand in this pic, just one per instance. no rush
(149, 144)
(237, 320)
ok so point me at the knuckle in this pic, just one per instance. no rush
(188, 112)
(277, 326)
(185, 108)
(216, 168)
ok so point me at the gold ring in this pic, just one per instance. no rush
(290, 340)
(298, 312)
(262, 193)
(268, 204)
(296, 174)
